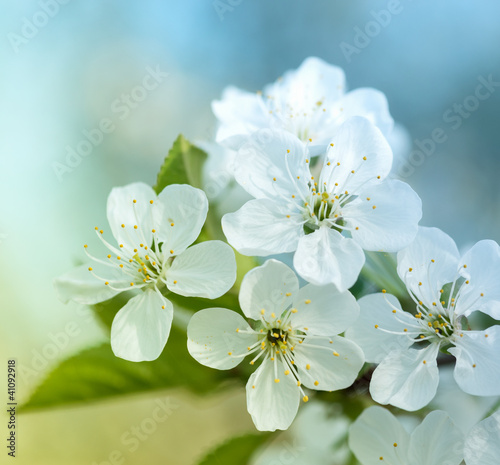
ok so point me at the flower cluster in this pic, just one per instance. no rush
(315, 165)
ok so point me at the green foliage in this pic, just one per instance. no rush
(183, 165)
(237, 450)
(97, 374)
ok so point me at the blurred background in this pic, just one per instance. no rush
(69, 67)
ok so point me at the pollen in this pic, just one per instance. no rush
(90, 268)
(410, 269)
(274, 179)
(131, 284)
(384, 291)
(395, 444)
(336, 353)
(305, 398)
(308, 367)
(151, 202)
(109, 256)
(175, 282)
(106, 283)
(376, 326)
(123, 225)
(85, 246)
(364, 158)
(163, 307)
(374, 207)
(135, 201)
(287, 372)
(171, 252)
(277, 380)
(394, 311)
(316, 383)
(307, 301)
(424, 362)
(229, 353)
(135, 226)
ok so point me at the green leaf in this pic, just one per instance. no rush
(96, 374)
(183, 165)
(237, 450)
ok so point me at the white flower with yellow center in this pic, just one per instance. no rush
(309, 102)
(153, 235)
(378, 438)
(294, 334)
(327, 220)
(446, 289)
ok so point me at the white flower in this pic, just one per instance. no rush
(309, 102)
(294, 334)
(295, 211)
(152, 234)
(378, 438)
(482, 443)
(446, 290)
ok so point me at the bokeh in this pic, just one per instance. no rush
(70, 72)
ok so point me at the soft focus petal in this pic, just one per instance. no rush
(324, 310)
(140, 329)
(205, 270)
(427, 277)
(436, 441)
(482, 270)
(240, 113)
(376, 343)
(482, 444)
(272, 405)
(384, 217)
(268, 165)
(261, 227)
(326, 256)
(354, 141)
(179, 215)
(377, 437)
(121, 210)
(270, 287)
(80, 285)
(213, 336)
(477, 370)
(328, 366)
(404, 380)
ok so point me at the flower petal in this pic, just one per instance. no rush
(121, 210)
(326, 256)
(140, 329)
(369, 103)
(261, 227)
(272, 405)
(267, 166)
(482, 443)
(376, 343)
(436, 441)
(427, 277)
(179, 215)
(270, 287)
(482, 263)
(404, 380)
(477, 370)
(372, 438)
(328, 366)
(205, 270)
(324, 310)
(79, 285)
(359, 157)
(212, 336)
(384, 217)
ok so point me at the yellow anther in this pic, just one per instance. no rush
(288, 294)
(482, 295)
(135, 201)
(131, 284)
(364, 158)
(109, 256)
(394, 311)
(424, 362)
(287, 372)
(172, 224)
(135, 226)
(90, 268)
(368, 198)
(287, 150)
(374, 207)
(85, 246)
(274, 179)
(175, 282)
(395, 444)
(262, 312)
(465, 266)
(485, 335)
(229, 353)
(410, 269)
(376, 326)
(96, 228)
(121, 266)
(153, 231)
(123, 225)
(294, 310)
(316, 383)
(405, 330)
(106, 283)
(305, 398)
(307, 301)
(308, 367)
(163, 307)
(384, 291)
(474, 366)
(171, 252)
(273, 315)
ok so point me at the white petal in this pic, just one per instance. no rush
(404, 380)
(482, 270)
(179, 214)
(477, 370)
(268, 165)
(266, 287)
(355, 140)
(375, 342)
(369, 103)
(373, 436)
(212, 336)
(205, 270)
(332, 365)
(392, 224)
(272, 405)
(430, 244)
(324, 310)
(482, 444)
(261, 227)
(79, 285)
(240, 113)
(121, 210)
(140, 329)
(326, 256)
(436, 441)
